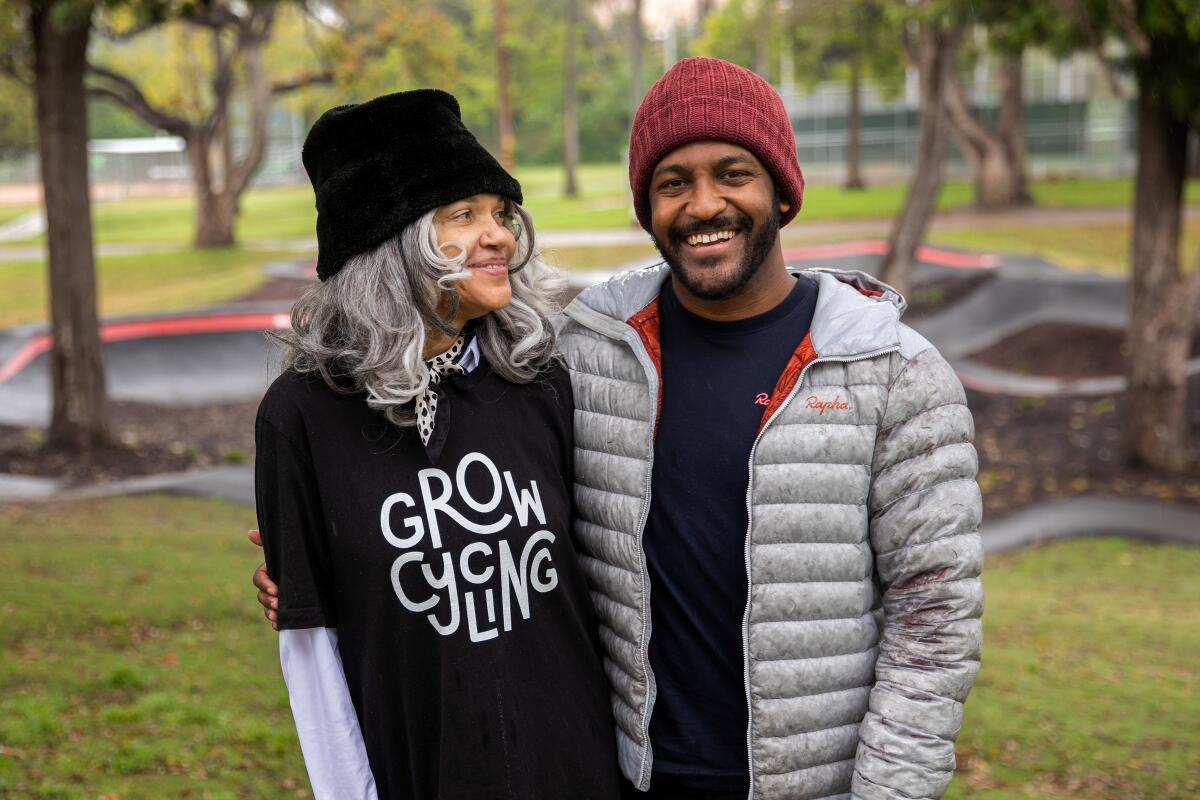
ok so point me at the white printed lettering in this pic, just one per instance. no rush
(464, 563)
(473, 627)
(525, 500)
(413, 523)
(442, 503)
(416, 608)
(467, 564)
(446, 581)
(460, 478)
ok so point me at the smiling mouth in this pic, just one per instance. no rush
(490, 267)
(710, 238)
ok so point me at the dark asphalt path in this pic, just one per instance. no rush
(200, 363)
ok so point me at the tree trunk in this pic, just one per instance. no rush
(854, 179)
(214, 216)
(218, 197)
(635, 59)
(570, 101)
(79, 414)
(1162, 298)
(935, 60)
(1011, 124)
(508, 138)
(997, 157)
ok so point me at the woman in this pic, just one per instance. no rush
(413, 479)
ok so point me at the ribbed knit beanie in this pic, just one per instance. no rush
(707, 98)
(377, 166)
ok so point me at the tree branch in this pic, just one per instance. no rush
(1076, 9)
(1125, 14)
(302, 81)
(966, 125)
(259, 99)
(217, 16)
(126, 92)
(222, 84)
(13, 67)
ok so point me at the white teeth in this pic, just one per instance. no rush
(707, 238)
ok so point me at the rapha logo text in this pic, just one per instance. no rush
(836, 404)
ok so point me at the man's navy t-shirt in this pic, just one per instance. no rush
(717, 378)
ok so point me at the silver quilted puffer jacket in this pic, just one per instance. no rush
(862, 625)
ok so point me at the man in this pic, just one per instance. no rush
(775, 493)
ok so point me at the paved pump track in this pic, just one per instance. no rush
(221, 355)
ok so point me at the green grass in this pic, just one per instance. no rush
(1096, 192)
(184, 277)
(1090, 685)
(288, 212)
(134, 662)
(141, 283)
(131, 662)
(9, 213)
(1100, 246)
(568, 258)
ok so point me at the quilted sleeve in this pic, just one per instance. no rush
(925, 510)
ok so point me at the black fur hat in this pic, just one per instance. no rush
(380, 165)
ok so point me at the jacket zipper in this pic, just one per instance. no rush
(750, 526)
(644, 648)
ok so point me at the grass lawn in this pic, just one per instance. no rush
(134, 663)
(1102, 247)
(131, 663)
(185, 277)
(1090, 685)
(288, 212)
(9, 213)
(144, 282)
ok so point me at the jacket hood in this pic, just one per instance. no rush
(855, 313)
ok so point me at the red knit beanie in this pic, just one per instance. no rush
(707, 98)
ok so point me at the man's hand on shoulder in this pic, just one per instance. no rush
(268, 592)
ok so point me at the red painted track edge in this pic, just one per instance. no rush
(146, 328)
(878, 247)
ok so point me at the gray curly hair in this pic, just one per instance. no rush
(365, 328)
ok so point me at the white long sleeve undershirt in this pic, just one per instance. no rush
(326, 724)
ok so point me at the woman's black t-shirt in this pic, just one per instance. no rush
(465, 627)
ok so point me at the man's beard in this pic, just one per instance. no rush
(753, 257)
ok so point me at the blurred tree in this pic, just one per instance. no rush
(17, 127)
(856, 39)
(216, 49)
(378, 49)
(996, 150)
(570, 102)
(637, 36)
(739, 31)
(1161, 43)
(109, 120)
(50, 54)
(16, 117)
(537, 42)
(932, 35)
(504, 114)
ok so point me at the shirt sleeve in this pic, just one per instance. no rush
(292, 524)
(326, 724)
